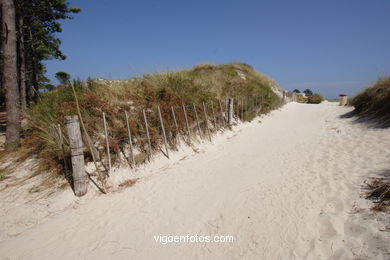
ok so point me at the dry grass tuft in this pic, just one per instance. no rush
(127, 183)
(379, 193)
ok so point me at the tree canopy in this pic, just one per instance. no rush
(308, 92)
(37, 25)
(33, 25)
(63, 77)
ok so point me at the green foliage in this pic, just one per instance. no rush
(49, 87)
(41, 24)
(308, 92)
(374, 103)
(63, 77)
(315, 99)
(296, 91)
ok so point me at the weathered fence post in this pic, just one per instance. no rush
(163, 130)
(207, 123)
(130, 141)
(239, 104)
(284, 97)
(107, 143)
(188, 127)
(222, 113)
(215, 120)
(147, 134)
(174, 120)
(243, 108)
(197, 121)
(87, 139)
(80, 178)
(230, 111)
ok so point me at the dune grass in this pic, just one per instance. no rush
(206, 83)
(373, 103)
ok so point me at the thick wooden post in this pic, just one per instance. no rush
(163, 131)
(230, 111)
(147, 134)
(107, 143)
(80, 178)
(130, 141)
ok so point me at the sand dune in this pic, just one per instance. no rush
(285, 186)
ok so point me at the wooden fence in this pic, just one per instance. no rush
(199, 123)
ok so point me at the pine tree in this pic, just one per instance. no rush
(10, 75)
(28, 38)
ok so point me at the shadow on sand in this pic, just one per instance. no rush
(370, 120)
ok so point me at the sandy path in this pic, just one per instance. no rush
(285, 188)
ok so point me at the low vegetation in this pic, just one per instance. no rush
(315, 99)
(378, 190)
(205, 83)
(373, 104)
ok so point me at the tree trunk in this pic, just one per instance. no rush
(22, 67)
(31, 71)
(10, 76)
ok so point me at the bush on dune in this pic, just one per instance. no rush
(315, 99)
(374, 103)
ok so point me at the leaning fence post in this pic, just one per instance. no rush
(80, 178)
(222, 113)
(242, 109)
(188, 127)
(207, 123)
(174, 120)
(215, 120)
(238, 109)
(107, 143)
(130, 141)
(247, 106)
(147, 134)
(163, 130)
(197, 121)
(230, 111)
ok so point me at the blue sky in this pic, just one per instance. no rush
(329, 46)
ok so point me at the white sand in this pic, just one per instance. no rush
(286, 188)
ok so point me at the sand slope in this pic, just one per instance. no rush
(285, 188)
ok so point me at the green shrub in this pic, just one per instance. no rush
(315, 99)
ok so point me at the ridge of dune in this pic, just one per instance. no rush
(285, 186)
